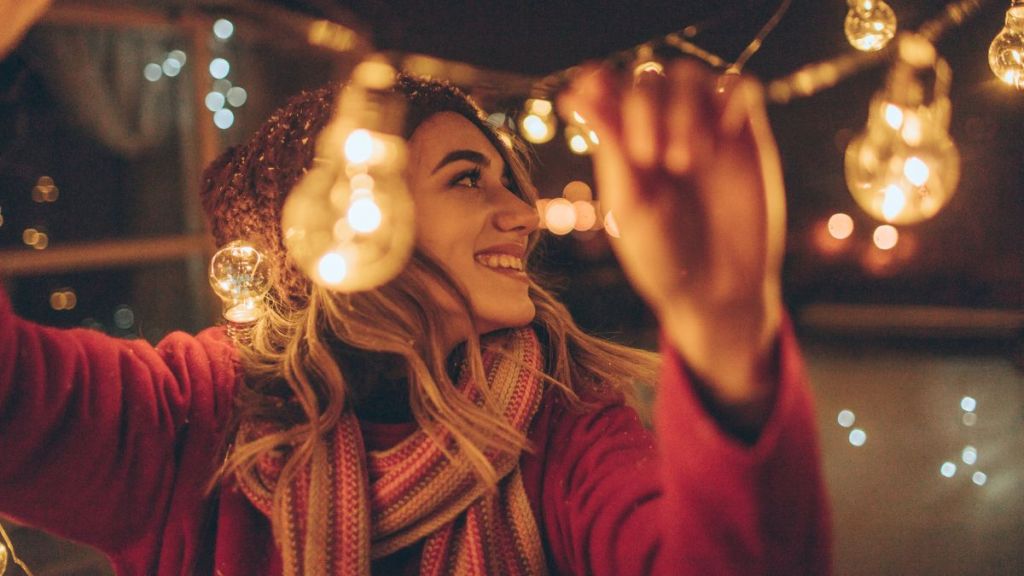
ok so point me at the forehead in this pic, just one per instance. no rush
(444, 132)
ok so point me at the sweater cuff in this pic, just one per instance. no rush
(681, 410)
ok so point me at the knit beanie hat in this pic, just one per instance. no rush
(245, 189)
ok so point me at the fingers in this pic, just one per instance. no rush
(671, 121)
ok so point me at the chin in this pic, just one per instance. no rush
(507, 318)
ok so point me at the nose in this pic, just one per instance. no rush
(515, 214)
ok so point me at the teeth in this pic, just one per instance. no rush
(500, 261)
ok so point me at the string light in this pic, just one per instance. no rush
(537, 124)
(240, 276)
(904, 167)
(1006, 53)
(7, 554)
(349, 222)
(870, 24)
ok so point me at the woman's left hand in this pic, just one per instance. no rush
(689, 169)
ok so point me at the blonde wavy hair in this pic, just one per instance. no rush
(318, 353)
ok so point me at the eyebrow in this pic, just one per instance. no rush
(456, 155)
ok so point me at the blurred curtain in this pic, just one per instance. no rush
(97, 75)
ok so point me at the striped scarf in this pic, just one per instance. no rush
(348, 507)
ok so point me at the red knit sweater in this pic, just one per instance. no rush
(110, 442)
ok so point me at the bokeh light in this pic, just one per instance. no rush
(63, 299)
(364, 216)
(886, 237)
(332, 268)
(214, 101)
(948, 469)
(560, 216)
(124, 317)
(237, 96)
(224, 118)
(846, 418)
(223, 29)
(152, 72)
(577, 190)
(219, 68)
(611, 226)
(858, 437)
(840, 226)
(968, 404)
(586, 215)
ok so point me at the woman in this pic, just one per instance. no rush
(454, 420)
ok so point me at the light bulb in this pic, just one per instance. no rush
(904, 167)
(1006, 53)
(579, 136)
(537, 124)
(348, 223)
(870, 24)
(240, 275)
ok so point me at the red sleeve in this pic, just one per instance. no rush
(93, 429)
(694, 501)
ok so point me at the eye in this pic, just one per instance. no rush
(467, 179)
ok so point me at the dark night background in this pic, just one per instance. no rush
(894, 513)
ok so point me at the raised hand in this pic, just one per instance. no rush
(689, 169)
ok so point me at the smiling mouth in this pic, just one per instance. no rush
(502, 263)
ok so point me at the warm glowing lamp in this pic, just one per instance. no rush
(904, 167)
(240, 276)
(870, 24)
(348, 223)
(1006, 53)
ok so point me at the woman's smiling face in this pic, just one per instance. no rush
(470, 218)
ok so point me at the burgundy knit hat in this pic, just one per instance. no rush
(245, 188)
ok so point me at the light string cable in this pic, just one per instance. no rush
(8, 548)
(813, 78)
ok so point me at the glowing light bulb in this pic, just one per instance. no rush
(870, 24)
(1006, 53)
(904, 167)
(240, 275)
(538, 123)
(348, 223)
